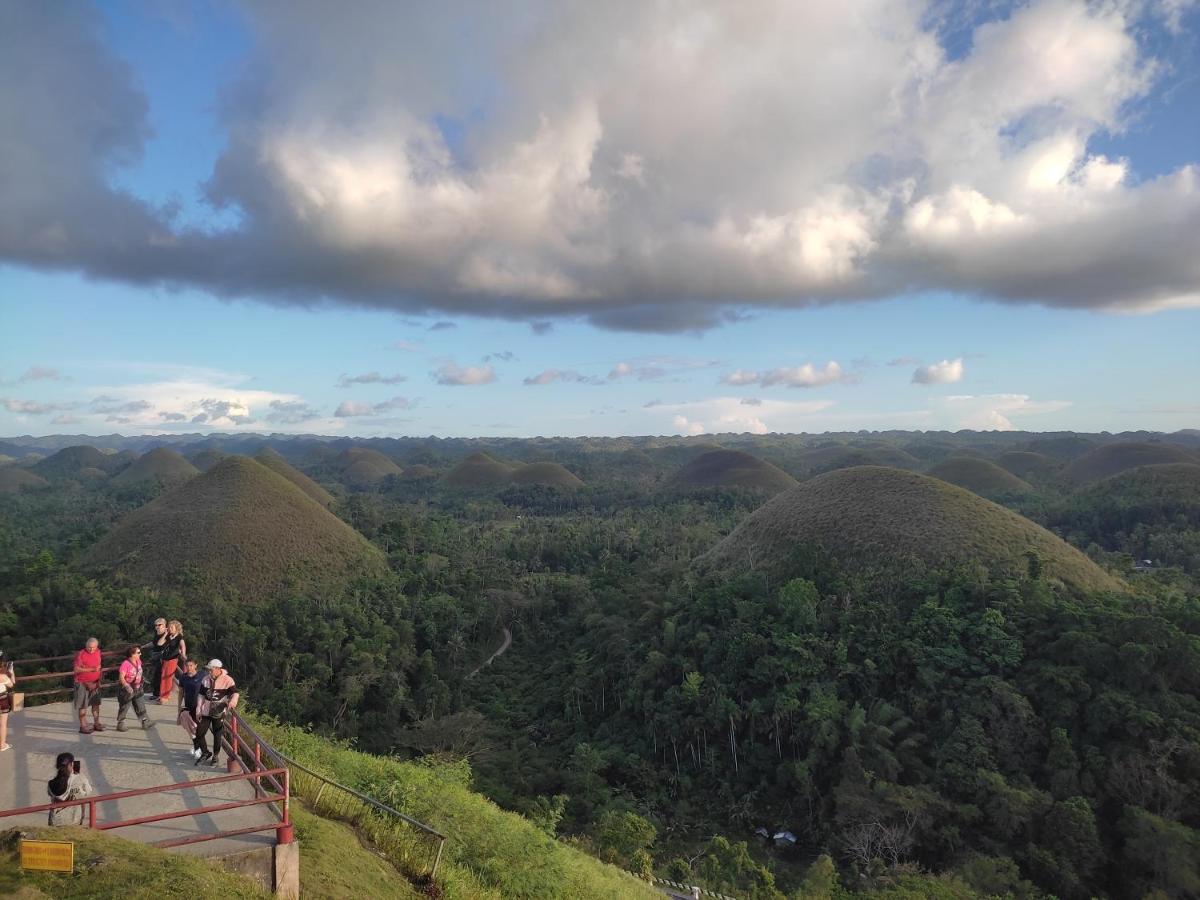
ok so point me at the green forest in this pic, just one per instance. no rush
(890, 680)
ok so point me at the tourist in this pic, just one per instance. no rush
(129, 689)
(153, 651)
(218, 697)
(68, 784)
(8, 681)
(189, 693)
(87, 685)
(174, 650)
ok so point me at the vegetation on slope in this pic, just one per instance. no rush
(160, 464)
(66, 462)
(362, 467)
(280, 466)
(14, 479)
(238, 527)
(207, 458)
(732, 468)
(335, 863)
(479, 470)
(1026, 464)
(551, 474)
(980, 477)
(879, 521)
(1111, 459)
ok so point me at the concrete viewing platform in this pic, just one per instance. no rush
(125, 761)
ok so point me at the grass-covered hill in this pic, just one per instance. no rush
(980, 477)
(14, 479)
(828, 457)
(207, 458)
(1110, 459)
(479, 470)
(876, 521)
(91, 475)
(362, 467)
(418, 472)
(732, 468)
(280, 466)
(1026, 464)
(238, 527)
(68, 461)
(548, 473)
(160, 464)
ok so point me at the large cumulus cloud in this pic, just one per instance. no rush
(647, 165)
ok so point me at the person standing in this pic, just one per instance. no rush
(8, 681)
(152, 652)
(87, 685)
(174, 650)
(189, 695)
(218, 697)
(129, 689)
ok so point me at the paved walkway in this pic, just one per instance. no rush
(124, 761)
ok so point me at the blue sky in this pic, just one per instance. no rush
(298, 295)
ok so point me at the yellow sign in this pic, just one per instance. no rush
(48, 856)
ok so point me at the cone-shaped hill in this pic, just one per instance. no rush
(875, 521)
(550, 473)
(1110, 459)
(207, 458)
(160, 464)
(91, 475)
(362, 467)
(14, 479)
(1147, 495)
(68, 461)
(980, 476)
(479, 470)
(242, 528)
(418, 472)
(732, 468)
(1026, 463)
(280, 466)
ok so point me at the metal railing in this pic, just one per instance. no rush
(42, 676)
(352, 804)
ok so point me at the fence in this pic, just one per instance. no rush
(388, 829)
(43, 676)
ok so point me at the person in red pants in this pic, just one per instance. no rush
(173, 654)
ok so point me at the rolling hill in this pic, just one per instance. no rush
(1026, 463)
(68, 461)
(979, 476)
(362, 467)
(418, 472)
(238, 527)
(1111, 459)
(13, 480)
(280, 466)
(548, 473)
(732, 468)
(1150, 496)
(877, 521)
(160, 464)
(479, 470)
(207, 458)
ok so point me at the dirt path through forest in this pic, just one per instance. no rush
(500, 652)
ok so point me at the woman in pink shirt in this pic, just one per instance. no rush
(129, 689)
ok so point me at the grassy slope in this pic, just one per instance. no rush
(732, 468)
(242, 526)
(875, 519)
(549, 473)
(160, 463)
(335, 863)
(980, 476)
(479, 470)
(280, 466)
(1111, 459)
(362, 466)
(490, 853)
(13, 480)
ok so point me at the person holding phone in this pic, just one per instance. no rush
(8, 681)
(68, 783)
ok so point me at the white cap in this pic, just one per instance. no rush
(215, 664)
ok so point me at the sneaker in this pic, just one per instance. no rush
(195, 754)
(203, 759)
(97, 727)
(121, 726)
(147, 724)
(85, 729)
(215, 761)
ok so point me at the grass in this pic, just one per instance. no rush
(732, 468)
(107, 866)
(876, 521)
(70, 460)
(240, 527)
(980, 476)
(490, 853)
(336, 863)
(280, 466)
(206, 459)
(1111, 459)
(161, 464)
(481, 471)
(550, 473)
(1025, 463)
(14, 480)
(363, 467)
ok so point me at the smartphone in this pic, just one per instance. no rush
(76, 766)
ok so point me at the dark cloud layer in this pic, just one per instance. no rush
(637, 189)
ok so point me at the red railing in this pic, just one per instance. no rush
(69, 674)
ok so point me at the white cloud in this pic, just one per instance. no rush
(948, 371)
(684, 426)
(345, 381)
(733, 414)
(451, 373)
(994, 412)
(805, 376)
(649, 164)
(39, 373)
(550, 376)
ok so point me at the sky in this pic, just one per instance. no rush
(599, 219)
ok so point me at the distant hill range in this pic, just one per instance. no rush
(1111, 459)
(1026, 464)
(238, 527)
(980, 477)
(732, 468)
(479, 470)
(877, 522)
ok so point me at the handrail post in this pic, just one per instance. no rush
(232, 765)
(91, 814)
(285, 834)
(437, 859)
